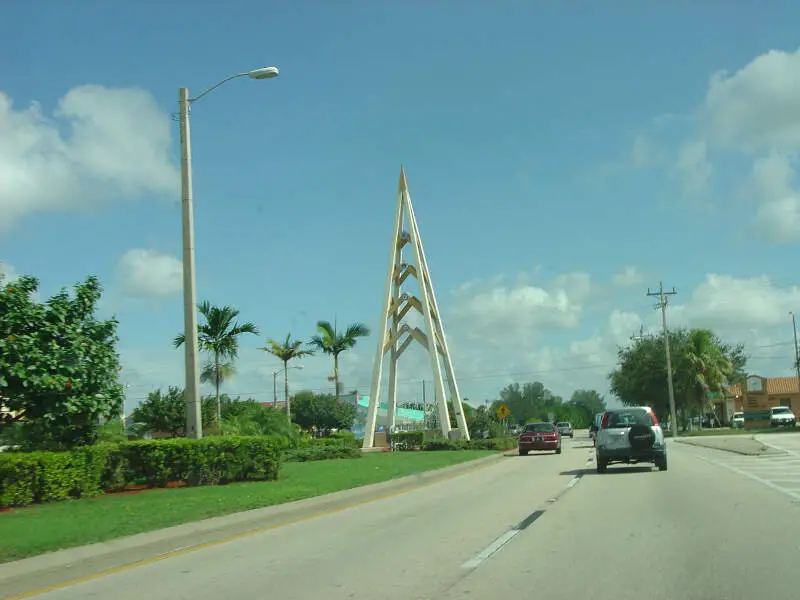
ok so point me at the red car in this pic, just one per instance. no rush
(539, 436)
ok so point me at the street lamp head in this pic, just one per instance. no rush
(264, 73)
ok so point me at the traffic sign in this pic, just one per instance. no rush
(503, 411)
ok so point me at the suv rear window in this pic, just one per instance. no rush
(563, 424)
(626, 418)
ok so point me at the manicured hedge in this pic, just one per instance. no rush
(34, 477)
(344, 438)
(321, 452)
(476, 444)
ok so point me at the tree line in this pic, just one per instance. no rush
(60, 369)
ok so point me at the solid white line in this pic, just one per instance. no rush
(765, 482)
(484, 554)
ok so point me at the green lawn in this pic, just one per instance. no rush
(42, 528)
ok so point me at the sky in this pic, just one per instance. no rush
(561, 157)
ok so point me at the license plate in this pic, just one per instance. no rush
(538, 439)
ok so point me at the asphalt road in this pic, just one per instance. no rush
(540, 525)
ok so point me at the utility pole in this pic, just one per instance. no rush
(796, 350)
(662, 305)
(641, 336)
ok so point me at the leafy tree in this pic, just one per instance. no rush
(529, 402)
(333, 342)
(286, 351)
(701, 363)
(586, 404)
(166, 412)
(219, 337)
(59, 368)
(322, 411)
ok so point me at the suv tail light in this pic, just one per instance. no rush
(653, 416)
(604, 422)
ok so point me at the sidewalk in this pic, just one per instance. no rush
(739, 444)
(72, 564)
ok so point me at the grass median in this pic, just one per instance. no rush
(43, 528)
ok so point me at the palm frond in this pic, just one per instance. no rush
(287, 350)
(179, 340)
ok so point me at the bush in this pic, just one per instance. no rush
(345, 439)
(34, 477)
(498, 444)
(406, 440)
(321, 452)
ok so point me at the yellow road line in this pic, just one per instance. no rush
(233, 538)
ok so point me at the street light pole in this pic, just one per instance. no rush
(796, 350)
(194, 422)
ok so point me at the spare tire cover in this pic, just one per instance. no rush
(641, 437)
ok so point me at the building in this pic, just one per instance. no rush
(759, 394)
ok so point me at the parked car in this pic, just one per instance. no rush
(782, 416)
(539, 436)
(630, 435)
(737, 420)
(565, 429)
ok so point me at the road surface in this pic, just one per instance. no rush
(715, 526)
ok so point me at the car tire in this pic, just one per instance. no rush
(558, 450)
(661, 462)
(523, 453)
(602, 465)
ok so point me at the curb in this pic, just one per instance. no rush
(763, 451)
(18, 578)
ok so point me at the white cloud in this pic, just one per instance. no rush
(149, 273)
(628, 277)
(751, 113)
(521, 311)
(758, 107)
(117, 144)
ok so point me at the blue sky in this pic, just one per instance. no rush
(548, 147)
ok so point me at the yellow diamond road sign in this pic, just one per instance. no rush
(503, 411)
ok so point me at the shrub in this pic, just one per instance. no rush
(321, 452)
(33, 477)
(345, 439)
(478, 444)
(407, 440)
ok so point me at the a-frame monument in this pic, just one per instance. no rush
(396, 335)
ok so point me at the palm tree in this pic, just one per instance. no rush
(708, 367)
(219, 336)
(332, 342)
(286, 351)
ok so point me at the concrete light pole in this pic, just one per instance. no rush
(194, 421)
(796, 349)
